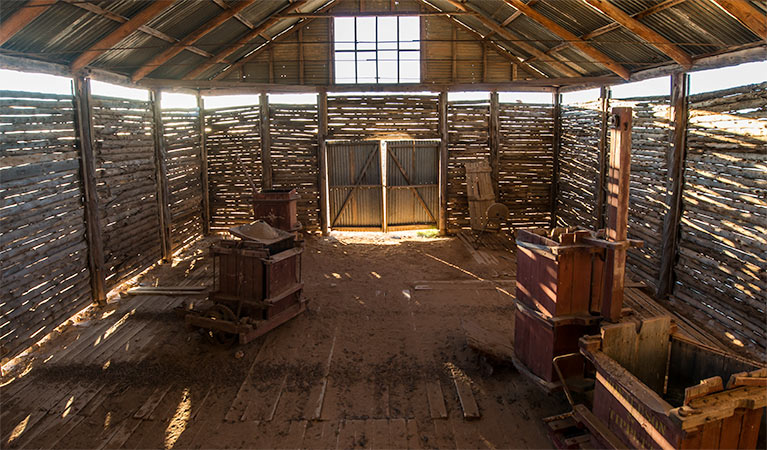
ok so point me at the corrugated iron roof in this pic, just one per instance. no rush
(67, 28)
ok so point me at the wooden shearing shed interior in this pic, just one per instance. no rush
(398, 233)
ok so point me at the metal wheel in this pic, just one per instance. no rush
(218, 337)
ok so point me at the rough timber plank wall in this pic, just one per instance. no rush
(467, 140)
(43, 254)
(294, 157)
(526, 162)
(722, 267)
(234, 146)
(579, 165)
(647, 196)
(181, 130)
(126, 186)
(383, 117)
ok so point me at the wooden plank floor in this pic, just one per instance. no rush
(358, 369)
(373, 363)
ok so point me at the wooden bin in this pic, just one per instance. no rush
(255, 282)
(658, 389)
(479, 192)
(557, 278)
(277, 207)
(539, 339)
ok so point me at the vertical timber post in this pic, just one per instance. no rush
(674, 182)
(161, 172)
(443, 141)
(495, 139)
(557, 147)
(604, 109)
(266, 142)
(617, 212)
(204, 184)
(322, 134)
(84, 130)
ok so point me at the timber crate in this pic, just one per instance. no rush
(558, 278)
(656, 388)
(254, 282)
(538, 339)
(277, 207)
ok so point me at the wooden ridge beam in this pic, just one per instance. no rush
(574, 40)
(98, 10)
(244, 40)
(746, 14)
(643, 31)
(515, 38)
(23, 17)
(268, 45)
(123, 31)
(191, 38)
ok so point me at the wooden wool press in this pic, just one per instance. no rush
(652, 386)
(257, 287)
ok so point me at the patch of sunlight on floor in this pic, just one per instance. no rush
(179, 421)
(390, 238)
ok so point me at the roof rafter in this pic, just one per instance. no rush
(21, 18)
(98, 10)
(643, 31)
(574, 40)
(245, 40)
(269, 43)
(222, 4)
(515, 38)
(123, 31)
(746, 14)
(177, 48)
(503, 51)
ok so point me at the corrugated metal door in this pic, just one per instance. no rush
(412, 183)
(354, 185)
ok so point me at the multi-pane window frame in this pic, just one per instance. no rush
(376, 47)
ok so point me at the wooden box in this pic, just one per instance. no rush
(538, 339)
(557, 278)
(277, 207)
(658, 389)
(254, 282)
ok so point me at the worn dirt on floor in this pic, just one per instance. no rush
(365, 366)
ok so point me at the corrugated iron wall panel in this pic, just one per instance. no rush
(346, 161)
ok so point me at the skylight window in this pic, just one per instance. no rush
(370, 50)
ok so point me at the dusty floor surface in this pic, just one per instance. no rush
(365, 366)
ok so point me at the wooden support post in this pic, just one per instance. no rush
(557, 147)
(617, 212)
(443, 155)
(204, 185)
(322, 134)
(599, 195)
(454, 48)
(266, 143)
(674, 182)
(301, 56)
(494, 139)
(161, 174)
(84, 129)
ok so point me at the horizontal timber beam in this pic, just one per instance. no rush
(745, 54)
(211, 87)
